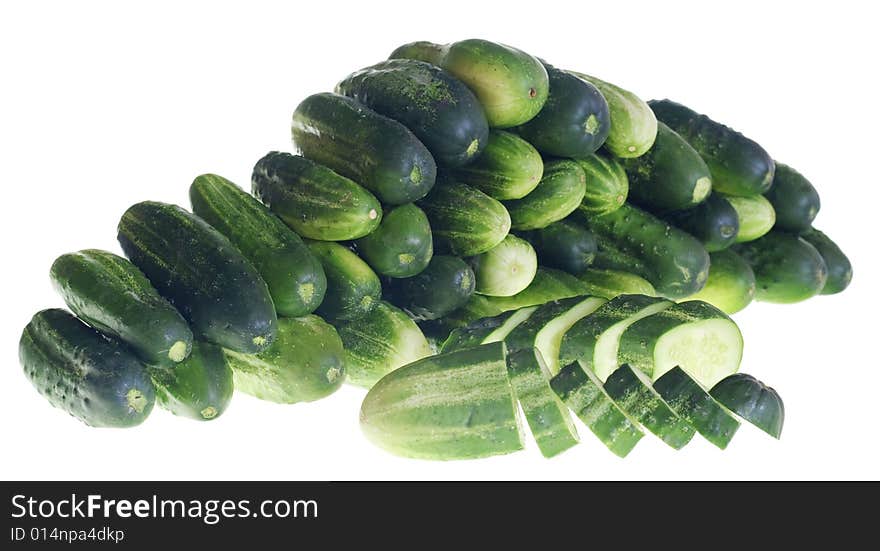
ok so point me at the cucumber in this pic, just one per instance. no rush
(464, 220)
(692, 335)
(631, 240)
(693, 404)
(109, 293)
(574, 121)
(452, 406)
(353, 289)
(201, 273)
(313, 200)
(559, 194)
(548, 418)
(199, 388)
(305, 363)
(505, 269)
(486, 330)
(739, 166)
(439, 109)
(382, 341)
(607, 184)
(839, 267)
(293, 275)
(584, 395)
(377, 152)
(635, 396)
(731, 283)
(669, 176)
(446, 284)
(794, 199)
(787, 267)
(594, 340)
(508, 168)
(401, 246)
(752, 400)
(611, 283)
(756, 216)
(565, 245)
(512, 86)
(633, 124)
(714, 222)
(94, 378)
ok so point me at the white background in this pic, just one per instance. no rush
(103, 104)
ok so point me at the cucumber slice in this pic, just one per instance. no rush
(583, 394)
(632, 392)
(752, 400)
(548, 418)
(693, 404)
(511, 323)
(549, 338)
(486, 330)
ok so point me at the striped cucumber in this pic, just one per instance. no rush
(559, 193)
(508, 168)
(506, 269)
(607, 184)
(353, 288)
(693, 404)
(200, 387)
(486, 330)
(755, 214)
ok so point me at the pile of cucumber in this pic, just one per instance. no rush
(462, 227)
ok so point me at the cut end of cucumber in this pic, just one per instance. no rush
(509, 325)
(707, 350)
(373, 214)
(209, 413)
(473, 147)
(753, 401)
(136, 400)
(306, 292)
(415, 176)
(177, 352)
(702, 189)
(591, 125)
(608, 343)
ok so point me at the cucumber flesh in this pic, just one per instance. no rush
(549, 338)
(605, 351)
(486, 330)
(512, 322)
(693, 404)
(752, 400)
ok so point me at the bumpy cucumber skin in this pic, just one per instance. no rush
(199, 388)
(611, 283)
(633, 124)
(731, 284)
(693, 404)
(451, 406)
(752, 400)
(353, 288)
(375, 151)
(574, 121)
(94, 378)
(794, 199)
(314, 201)
(512, 86)
(402, 245)
(739, 166)
(508, 168)
(669, 176)
(201, 273)
(506, 269)
(839, 267)
(113, 296)
(305, 363)
(559, 193)
(293, 275)
(439, 109)
(607, 184)
(445, 285)
(714, 222)
(787, 268)
(755, 214)
(464, 220)
(565, 245)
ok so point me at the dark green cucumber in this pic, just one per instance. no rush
(94, 378)
(693, 404)
(199, 388)
(464, 220)
(305, 363)
(375, 151)
(486, 330)
(439, 109)
(566, 245)
(607, 184)
(787, 267)
(839, 267)
(313, 200)
(445, 285)
(402, 245)
(294, 276)
(611, 283)
(739, 166)
(714, 222)
(794, 199)
(574, 121)
(505, 269)
(631, 240)
(755, 214)
(634, 395)
(511, 85)
(508, 168)
(731, 284)
(559, 193)
(202, 273)
(752, 400)
(669, 176)
(353, 288)
(112, 295)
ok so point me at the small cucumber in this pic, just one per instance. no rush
(752, 400)
(353, 288)
(565, 245)
(795, 201)
(401, 246)
(607, 184)
(509, 167)
(787, 267)
(731, 284)
(446, 284)
(714, 222)
(199, 388)
(559, 193)
(839, 267)
(693, 404)
(755, 214)
(505, 269)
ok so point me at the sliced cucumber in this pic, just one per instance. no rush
(610, 283)
(486, 330)
(693, 404)
(752, 400)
